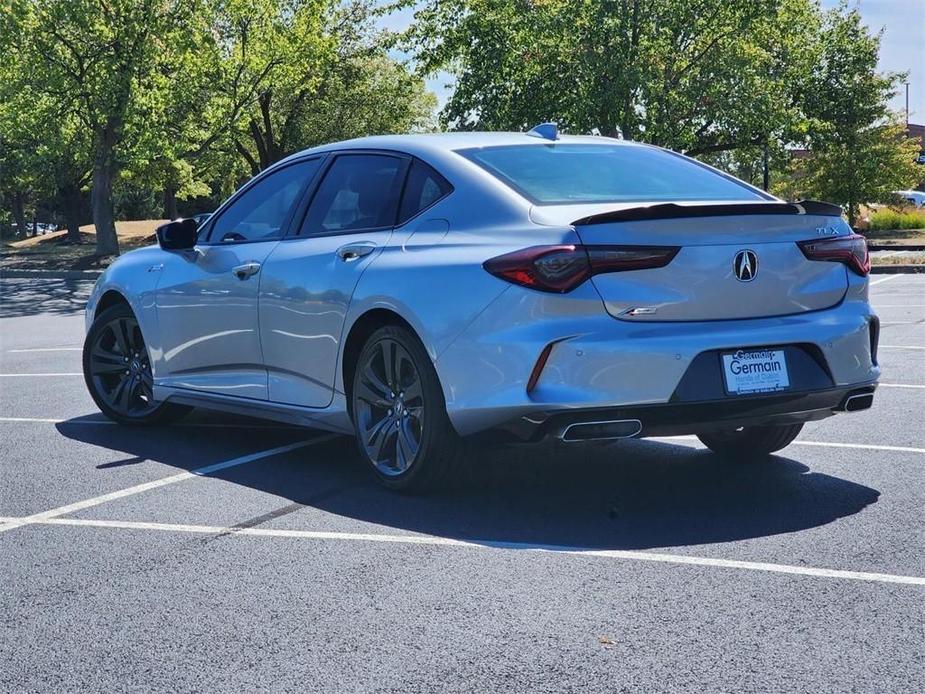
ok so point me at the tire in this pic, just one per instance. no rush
(117, 371)
(751, 442)
(399, 414)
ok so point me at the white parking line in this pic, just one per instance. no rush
(884, 279)
(48, 349)
(901, 347)
(817, 444)
(436, 541)
(192, 425)
(859, 446)
(162, 482)
(48, 420)
(73, 373)
(901, 385)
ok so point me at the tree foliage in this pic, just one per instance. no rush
(859, 151)
(102, 63)
(726, 80)
(183, 96)
(694, 75)
(317, 72)
(153, 101)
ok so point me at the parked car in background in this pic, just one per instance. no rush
(913, 197)
(202, 217)
(416, 290)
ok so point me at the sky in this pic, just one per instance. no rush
(902, 47)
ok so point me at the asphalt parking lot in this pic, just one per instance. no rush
(233, 554)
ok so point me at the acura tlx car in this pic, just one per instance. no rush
(418, 290)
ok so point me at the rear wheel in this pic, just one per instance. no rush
(117, 370)
(399, 413)
(751, 442)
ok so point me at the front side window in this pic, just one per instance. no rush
(563, 174)
(423, 188)
(260, 212)
(359, 191)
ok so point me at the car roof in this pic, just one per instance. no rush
(439, 143)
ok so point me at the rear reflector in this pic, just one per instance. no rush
(562, 268)
(850, 250)
(539, 366)
(874, 328)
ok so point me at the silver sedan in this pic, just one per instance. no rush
(421, 291)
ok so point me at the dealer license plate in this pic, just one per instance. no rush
(755, 371)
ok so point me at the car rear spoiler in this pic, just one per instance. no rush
(672, 210)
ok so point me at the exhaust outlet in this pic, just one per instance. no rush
(597, 431)
(855, 403)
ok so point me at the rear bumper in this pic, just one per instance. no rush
(598, 363)
(675, 419)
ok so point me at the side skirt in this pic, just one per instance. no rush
(333, 418)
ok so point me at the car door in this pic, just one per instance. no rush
(310, 277)
(207, 298)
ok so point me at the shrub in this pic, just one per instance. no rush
(896, 219)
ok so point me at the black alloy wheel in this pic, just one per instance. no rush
(390, 407)
(117, 370)
(399, 413)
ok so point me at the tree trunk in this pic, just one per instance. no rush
(104, 171)
(170, 202)
(72, 212)
(19, 214)
(35, 225)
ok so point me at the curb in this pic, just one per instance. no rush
(896, 269)
(874, 247)
(52, 274)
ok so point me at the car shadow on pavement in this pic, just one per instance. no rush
(631, 495)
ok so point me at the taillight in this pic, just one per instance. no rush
(562, 268)
(850, 250)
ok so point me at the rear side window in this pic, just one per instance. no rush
(359, 191)
(260, 211)
(423, 188)
(561, 174)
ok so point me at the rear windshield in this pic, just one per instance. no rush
(573, 173)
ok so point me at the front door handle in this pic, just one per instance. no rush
(242, 272)
(355, 251)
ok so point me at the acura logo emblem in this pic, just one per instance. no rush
(745, 266)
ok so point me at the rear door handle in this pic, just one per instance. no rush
(242, 272)
(355, 251)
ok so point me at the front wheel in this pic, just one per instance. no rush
(751, 442)
(399, 414)
(117, 371)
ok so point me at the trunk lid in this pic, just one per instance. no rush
(701, 282)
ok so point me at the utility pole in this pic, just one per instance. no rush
(907, 103)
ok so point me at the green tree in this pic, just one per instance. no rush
(102, 61)
(312, 71)
(693, 75)
(858, 150)
(863, 168)
(17, 129)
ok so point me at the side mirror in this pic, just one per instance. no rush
(179, 235)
